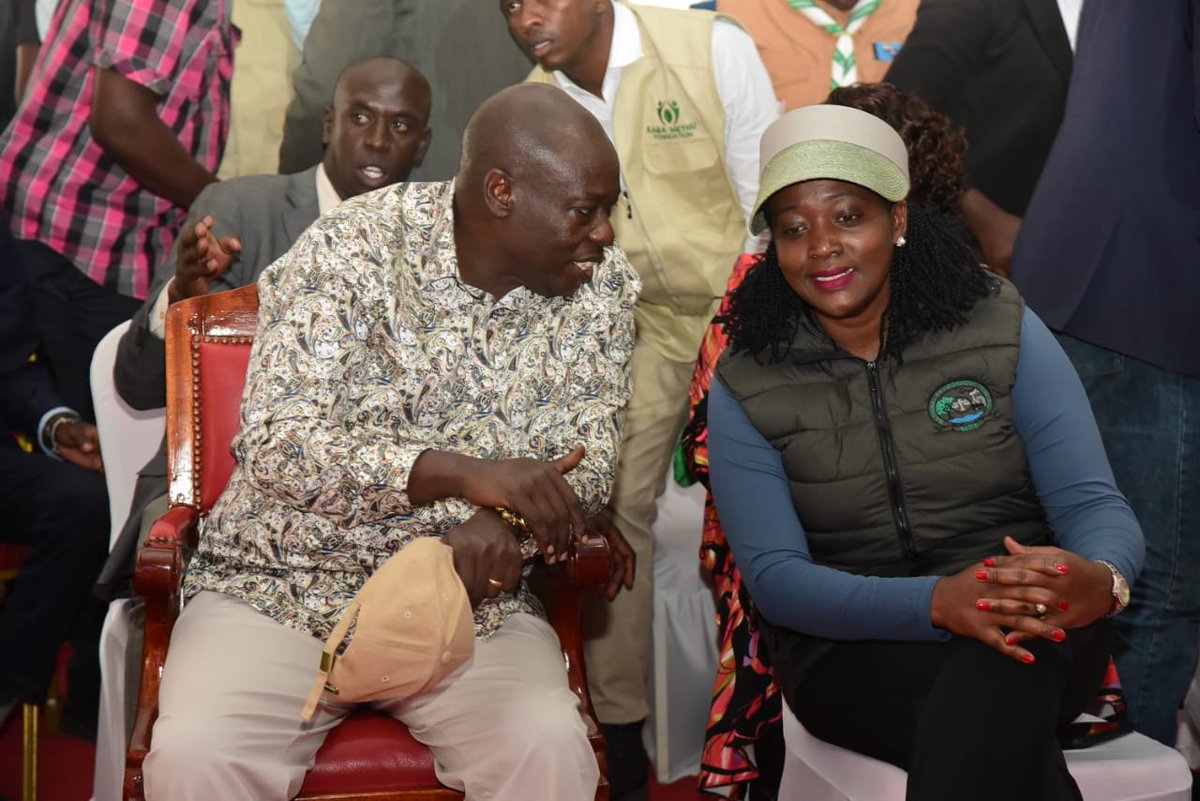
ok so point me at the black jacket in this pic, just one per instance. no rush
(26, 388)
(999, 69)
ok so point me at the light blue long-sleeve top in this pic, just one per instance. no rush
(1070, 471)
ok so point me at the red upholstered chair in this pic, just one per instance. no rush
(369, 755)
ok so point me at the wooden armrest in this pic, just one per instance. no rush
(565, 584)
(178, 524)
(589, 561)
(158, 580)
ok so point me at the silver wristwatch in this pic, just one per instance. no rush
(1120, 589)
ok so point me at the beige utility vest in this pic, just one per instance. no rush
(681, 225)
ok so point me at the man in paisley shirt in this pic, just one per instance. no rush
(425, 352)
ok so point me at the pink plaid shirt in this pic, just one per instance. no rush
(59, 186)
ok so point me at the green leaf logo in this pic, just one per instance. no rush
(668, 112)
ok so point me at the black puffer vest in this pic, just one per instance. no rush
(908, 468)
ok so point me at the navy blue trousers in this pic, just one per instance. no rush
(61, 511)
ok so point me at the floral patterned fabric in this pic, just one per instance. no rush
(369, 351)
(746, 704)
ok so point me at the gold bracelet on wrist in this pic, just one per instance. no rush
(513, 519)
(521, 532)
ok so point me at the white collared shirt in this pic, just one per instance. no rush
(1070, 10)
(327, 198)
(742, 84)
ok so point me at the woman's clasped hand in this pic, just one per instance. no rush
(1030, 592)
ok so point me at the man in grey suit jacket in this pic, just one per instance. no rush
(375, 132)
(462, 45)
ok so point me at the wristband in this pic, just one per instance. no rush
(49, 439)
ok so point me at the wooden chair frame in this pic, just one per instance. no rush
(231, 318)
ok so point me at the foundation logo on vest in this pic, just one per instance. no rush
(670, 127)
(963, 405)
(668, 112)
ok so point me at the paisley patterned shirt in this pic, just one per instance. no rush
(369, 350)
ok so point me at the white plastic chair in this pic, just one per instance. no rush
(685, 637)
(128, 439)
(1129, 768)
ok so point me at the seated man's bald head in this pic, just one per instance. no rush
(376, 130)
(383, 70)
(531, 127)
(534, 190)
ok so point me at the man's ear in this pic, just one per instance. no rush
(498, 192)
(327, 126)
(423, 148)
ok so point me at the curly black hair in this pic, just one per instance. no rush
(935, 148)
(935, 282)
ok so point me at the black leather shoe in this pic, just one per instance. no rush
(628, 765)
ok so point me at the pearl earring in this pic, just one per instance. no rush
(901, 242)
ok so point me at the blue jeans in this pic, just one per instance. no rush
(1149, 420)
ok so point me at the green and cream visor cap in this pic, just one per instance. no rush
(833, 142)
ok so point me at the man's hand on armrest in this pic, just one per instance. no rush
(623, 559)
(532, 489)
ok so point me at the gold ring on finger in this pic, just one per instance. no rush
(1040, 609)
(496, 583)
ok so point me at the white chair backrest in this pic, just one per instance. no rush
(128, 437)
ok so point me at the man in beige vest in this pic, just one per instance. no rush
(685, 98)
(812, 46)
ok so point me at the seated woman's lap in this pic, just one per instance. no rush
(956, 715)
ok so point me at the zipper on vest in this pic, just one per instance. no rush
(888, 446)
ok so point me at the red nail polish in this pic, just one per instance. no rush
(1027, 659)
(983, 606)
(1059, 636)
(989, 562)
(1011, 639)
(1063, 605)
(1062, 568)
(981, 575)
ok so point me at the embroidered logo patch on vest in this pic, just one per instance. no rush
(962, 405)
(671, 128)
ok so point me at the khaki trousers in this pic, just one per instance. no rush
(617, 645)
(504, 726)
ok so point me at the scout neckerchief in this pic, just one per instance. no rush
(845, 73)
